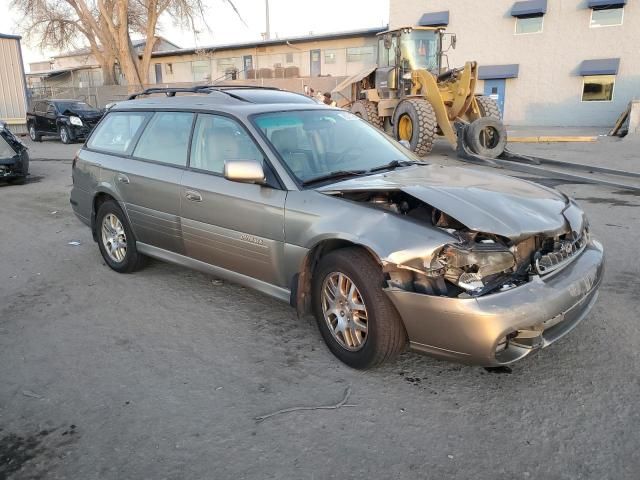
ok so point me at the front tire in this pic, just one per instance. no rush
(414, 120)
(65, 135)
(115, 239)
(357, 320)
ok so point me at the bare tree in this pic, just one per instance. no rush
(107, 25)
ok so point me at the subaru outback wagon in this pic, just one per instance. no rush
(314, 206)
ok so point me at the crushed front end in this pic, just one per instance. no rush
(14, 159)
(487, 298)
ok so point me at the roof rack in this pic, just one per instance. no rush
(171, 91)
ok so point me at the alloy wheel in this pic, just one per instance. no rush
(344, 311)
(114, 238)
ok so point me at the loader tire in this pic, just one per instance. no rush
(367, 111)
(414, 120)
(486, 136)
(488, 107)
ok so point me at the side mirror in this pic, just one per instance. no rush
(244, 171)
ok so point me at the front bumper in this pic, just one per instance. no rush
(80, 132)
(539, 313)
(15, 167)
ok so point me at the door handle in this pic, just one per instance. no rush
(122, 178)
(193, 195)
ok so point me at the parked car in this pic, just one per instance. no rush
(69, 120)
(14, 158)
(313, 206)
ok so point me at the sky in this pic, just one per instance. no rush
(287, 18)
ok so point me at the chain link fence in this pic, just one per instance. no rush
(101, 96)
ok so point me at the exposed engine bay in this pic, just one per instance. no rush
(474, 263)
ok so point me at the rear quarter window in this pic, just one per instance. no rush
(116, 133)
(166, 138)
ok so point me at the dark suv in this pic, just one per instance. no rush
(70, 120)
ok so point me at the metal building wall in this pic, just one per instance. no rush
(13, 100)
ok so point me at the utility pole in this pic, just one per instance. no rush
(267, 35)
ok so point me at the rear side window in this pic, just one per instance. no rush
(166, 138)
(115, 134)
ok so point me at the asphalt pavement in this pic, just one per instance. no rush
(161, 374)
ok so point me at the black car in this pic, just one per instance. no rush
(14, 159)
(70, 120)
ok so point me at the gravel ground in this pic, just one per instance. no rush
(160, 374)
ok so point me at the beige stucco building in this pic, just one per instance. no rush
(556, 62)
(328, 55)
(80, 68)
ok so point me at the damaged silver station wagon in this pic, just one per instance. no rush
(314, 206)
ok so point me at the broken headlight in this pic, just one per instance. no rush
(471, 266)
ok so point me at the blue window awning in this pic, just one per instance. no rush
(434, 19)
(529, 8)
(603, 66)
(602, 4)
(490, 72)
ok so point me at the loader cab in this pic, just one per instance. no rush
(404, 50)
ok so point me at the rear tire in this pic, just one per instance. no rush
(385, 335)
(368, 111)
(488, 107)
(414, 120)
(33, 134)
(487, 136)
(112, 226)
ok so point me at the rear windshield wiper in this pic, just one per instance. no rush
(393, 164)
(333, 175)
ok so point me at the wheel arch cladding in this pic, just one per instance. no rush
(100, 198)
(302, 281)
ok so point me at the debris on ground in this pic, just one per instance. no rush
(216, 282)
(341, 403)
(75, 243)
(29, 393)
(500, 369)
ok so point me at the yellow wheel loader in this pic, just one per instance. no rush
(414, 97)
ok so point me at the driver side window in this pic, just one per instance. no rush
(217, 139)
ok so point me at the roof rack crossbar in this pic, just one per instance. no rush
(171, 91)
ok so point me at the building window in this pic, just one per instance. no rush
(361, 54)
(169, 68)
(330, 56)
(529, 24)
(606, 17)
(289, 58)
(201, 70)
(598, 88)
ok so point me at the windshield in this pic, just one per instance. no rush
(315, 143)
(420, 49)
(74, 107)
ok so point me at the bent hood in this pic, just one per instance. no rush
(88, 114)
(482, 201)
